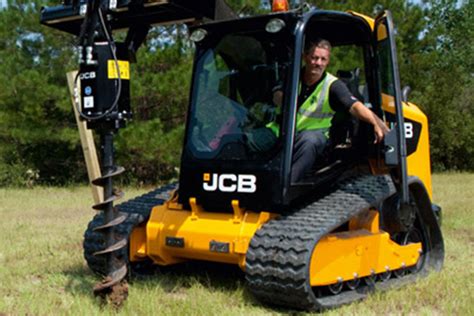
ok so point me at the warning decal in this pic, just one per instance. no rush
(124, 67)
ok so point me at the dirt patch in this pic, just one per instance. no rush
(114, 296)
(118, 294)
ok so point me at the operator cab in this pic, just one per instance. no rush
(229, 151)
(351, 39)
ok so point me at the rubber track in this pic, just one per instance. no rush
(278, 258)
(137, 210)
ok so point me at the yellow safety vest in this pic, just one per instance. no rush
(315, 113)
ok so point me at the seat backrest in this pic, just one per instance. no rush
(344, 126)
(352, 80)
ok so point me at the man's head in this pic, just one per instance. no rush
(316, 57)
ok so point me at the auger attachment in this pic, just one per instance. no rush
(114, 286)
(104, 76)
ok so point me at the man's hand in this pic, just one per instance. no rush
(366, 115)
(278, 97)
(380, 130)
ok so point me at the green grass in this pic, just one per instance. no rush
(42, 271)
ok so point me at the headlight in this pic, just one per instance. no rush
(198, 35)
(274, 25)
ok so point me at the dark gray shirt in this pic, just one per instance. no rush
(340, 98)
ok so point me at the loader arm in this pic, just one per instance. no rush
(123, 14)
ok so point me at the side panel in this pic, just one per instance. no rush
(362, 251)
(417, 139)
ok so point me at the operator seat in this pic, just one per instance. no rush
(345, 127)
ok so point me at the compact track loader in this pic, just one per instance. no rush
(361, 220)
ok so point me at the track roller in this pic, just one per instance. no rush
(336, 288)
(354, 283)
(385, 276)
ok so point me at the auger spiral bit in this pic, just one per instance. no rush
(113, 287)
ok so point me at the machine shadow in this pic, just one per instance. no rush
(210, 275)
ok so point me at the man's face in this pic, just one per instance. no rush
(316, 61)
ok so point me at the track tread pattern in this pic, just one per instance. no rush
(278, 259)
(137, 210)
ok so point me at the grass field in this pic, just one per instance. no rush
(42, 271)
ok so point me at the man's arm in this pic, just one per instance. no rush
(341, 99)
(361, 112)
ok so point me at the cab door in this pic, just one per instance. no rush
(391, 98)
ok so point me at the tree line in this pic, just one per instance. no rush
(39, 143)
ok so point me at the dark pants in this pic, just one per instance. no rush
(309, 146)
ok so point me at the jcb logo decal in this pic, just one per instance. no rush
(87, 75)
(243, 183)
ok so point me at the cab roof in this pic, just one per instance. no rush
(340, 28)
